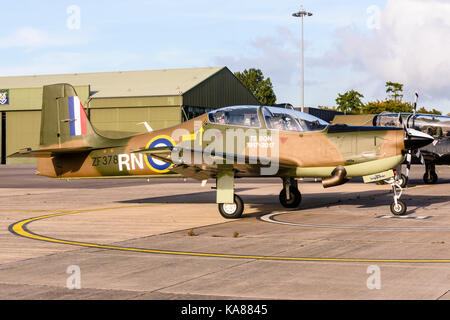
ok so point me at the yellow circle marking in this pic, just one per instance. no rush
(19, 228)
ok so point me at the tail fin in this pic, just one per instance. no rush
(64, 123)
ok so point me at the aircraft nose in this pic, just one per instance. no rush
(415, 139)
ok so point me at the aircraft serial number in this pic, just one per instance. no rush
(104, 160)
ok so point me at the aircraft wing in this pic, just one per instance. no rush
(208, 169)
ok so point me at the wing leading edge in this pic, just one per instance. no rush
(242, 164)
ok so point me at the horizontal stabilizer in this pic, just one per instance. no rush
(47, 153)
(156, 150)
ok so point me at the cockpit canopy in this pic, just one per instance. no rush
(246, 116)
(434, 125)
(273, 117)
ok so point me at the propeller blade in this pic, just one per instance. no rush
(415, 101)
(413, 139)
(408, 164)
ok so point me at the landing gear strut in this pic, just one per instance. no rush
(290, 196)
(230, 204)
(398, 207)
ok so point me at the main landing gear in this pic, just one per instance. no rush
(290, 196)
(232, 210)
(430, 176)
(230, 204)
(402, 180)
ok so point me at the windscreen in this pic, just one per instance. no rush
(246, 116)
(389, 120)
(291, 120)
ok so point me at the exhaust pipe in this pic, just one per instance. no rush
(338, 177)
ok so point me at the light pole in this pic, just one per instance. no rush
(301, 14)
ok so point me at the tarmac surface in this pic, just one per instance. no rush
(164, 239)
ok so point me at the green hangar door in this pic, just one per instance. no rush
(22, 131)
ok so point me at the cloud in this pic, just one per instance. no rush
(28, 37)
(59, 62)
(276, 55)
(409, 45)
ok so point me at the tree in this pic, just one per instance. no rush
(433, 111)
(375, 107)
(393, 103)
(262, 89)
(349, 102)
(394, 91)
(327, 108)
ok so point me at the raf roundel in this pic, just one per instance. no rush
(155, 164)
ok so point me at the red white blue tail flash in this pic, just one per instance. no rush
(78, 117)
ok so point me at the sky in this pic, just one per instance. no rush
(348, 45)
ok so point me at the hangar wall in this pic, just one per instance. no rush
(21, 128)
(23, 120)
(119, 122)
(220, 90)
(118, 117)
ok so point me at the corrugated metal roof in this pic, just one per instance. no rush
(143, 83)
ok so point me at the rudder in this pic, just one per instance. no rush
(64, 123)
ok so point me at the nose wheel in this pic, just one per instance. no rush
(398, 207)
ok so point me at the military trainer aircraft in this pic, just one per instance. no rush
(437, 126)
(225, 144)
(436, 153)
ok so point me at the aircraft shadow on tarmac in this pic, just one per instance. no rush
(196, 197)
(268, 203)
(361, 200)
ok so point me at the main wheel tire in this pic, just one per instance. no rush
(399, 209)
(431, 178)
(402, 181)
(232, 210)
(294, 200)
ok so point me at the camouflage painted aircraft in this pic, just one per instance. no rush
(437, 126)
(225, 144)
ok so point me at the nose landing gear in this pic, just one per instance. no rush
(398, 207)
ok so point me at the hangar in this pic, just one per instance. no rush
(117, 103)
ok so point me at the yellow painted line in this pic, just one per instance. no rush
(20, 228)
